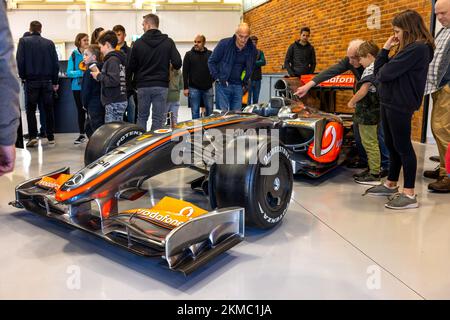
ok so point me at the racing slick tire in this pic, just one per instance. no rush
(264, 197)
(108, 137)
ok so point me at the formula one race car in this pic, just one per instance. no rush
(246, 161)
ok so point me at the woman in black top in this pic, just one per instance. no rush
(401, 85)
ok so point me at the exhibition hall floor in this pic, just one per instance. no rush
(332, 244)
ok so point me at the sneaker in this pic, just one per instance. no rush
(381, 190)
(51, 141)
(42, 135)
(384, 173)
(401, 201)
(432, 174)
(369, 179)
(80, 139)
(32, 143)
(361, 174)
(442, 185)
(357, 165)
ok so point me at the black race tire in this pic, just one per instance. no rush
(265, 197)
(108, 137)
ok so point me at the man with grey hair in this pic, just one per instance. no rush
(438, 85)
(149, 63)
(351, 63)
(231, 65)
(9, 93)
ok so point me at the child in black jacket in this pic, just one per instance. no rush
(401, 88)
(112, 78)
(90, 91)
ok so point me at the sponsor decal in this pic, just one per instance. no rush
(163, 131)
(75, 180)
(331, 144)
(168, 213)
(126, 136)
(273, 151)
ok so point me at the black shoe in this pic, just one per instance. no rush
(26, 136)
(357, 165)
(369, 179)
(432, 174)
(384, 173)
(42, 135)
(435, 158)
(80, 139)
(361, 174)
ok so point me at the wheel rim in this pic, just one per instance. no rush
(276, 188)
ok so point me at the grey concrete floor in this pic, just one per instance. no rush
(332, 244)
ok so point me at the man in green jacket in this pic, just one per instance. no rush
(255, 80)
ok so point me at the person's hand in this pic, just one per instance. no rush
(303, 90)
(391, 42)
(186, 92)
(7, 159)
(55, 87)
(95, 74)
(351, 104)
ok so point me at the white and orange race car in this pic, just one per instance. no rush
(246, 162)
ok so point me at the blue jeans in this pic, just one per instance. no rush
(173, 107)
(195, 100)
(157, 97)
(253, 92)
(131, 110)
(114, 111)
(383, 149)
(229, 97)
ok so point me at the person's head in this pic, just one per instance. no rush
(96, 34)
(82, 41)
(199, 42)
(442, 11)
(92, 54)
(107, 41)
(254, 40)
(120, 33)
(352, 52)
(35, 27)
(367, 53)
(242, 34)
(150, 22)
(409, 27)
(305, 33)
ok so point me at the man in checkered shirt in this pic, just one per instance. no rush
(438, 85)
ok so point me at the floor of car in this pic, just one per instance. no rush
(332, 244)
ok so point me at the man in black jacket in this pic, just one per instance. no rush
(149, 63)
(37, 62)
(197, 78)
(301, 56)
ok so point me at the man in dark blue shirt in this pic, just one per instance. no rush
(231, 65)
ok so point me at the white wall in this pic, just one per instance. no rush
(182, 26)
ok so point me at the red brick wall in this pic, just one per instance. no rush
(333, 24)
